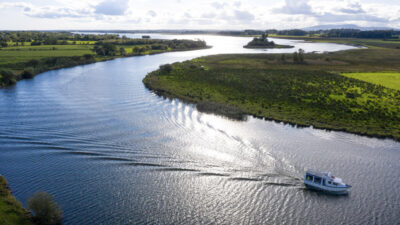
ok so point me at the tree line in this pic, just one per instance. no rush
(340, 33)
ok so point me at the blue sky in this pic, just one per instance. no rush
(202, 14)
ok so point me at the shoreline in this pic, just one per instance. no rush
(241, 116)
(90, 61)
(236, 90)
(11, 210)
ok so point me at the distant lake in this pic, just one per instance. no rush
(112, 152)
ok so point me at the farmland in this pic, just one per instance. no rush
(24, 59)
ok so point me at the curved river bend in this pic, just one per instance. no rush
(112, 152)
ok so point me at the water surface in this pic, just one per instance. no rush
(112, 152)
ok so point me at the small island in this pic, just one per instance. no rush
(263, 42)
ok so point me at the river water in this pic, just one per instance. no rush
(112, 152)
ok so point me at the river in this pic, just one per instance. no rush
(112, 152)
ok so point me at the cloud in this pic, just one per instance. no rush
(209, 15)
(353, 7)
(112, 7)
(243, 15)
(51, 12)
(218, 5)
(330, 17)
(295, 7)
(152, 13)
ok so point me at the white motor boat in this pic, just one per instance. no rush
(325, 182)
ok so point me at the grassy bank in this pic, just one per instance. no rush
(310, 93)
(26, 60)
(11, 211)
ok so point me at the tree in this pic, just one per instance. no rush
(135, 50)
(295, 57)
(283, 58)
(167, 68)
(45, 210)
(122, 51)
(141, 50)
(301, 55)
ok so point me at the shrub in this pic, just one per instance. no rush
(45, 210)
(167, 68)
(28, 73)
(33, 62)
(88, 57)
(7, 77)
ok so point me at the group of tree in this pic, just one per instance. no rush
(50, 38)
(105, 49)
(339, 33)
(261, 42)
(298, 56)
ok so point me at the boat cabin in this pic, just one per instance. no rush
(322, 179)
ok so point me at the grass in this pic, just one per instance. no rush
(14, 55)
(16, 61)
(313, 93)
(389, 80)
(11, 211)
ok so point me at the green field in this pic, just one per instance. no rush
(14, 55)
(11, 211)
(389, 80)
(310, 93)
(23, 61)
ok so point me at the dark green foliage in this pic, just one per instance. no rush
(261, 42)
(45, 210)
(227, 110)
(105, 49)
(36, 43)
(166, 69)
(7, 77)
(28, 73)
(88, 57)
(33, 63)
(122, 51)
(159, 47)
(295, 57)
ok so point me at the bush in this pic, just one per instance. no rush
(45, 210)
(7, 77)
(167, 68)
(28, 74)
(33, 62)
(88, 57)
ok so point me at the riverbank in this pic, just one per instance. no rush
(313, 93)
(11, 211)
(19, 62)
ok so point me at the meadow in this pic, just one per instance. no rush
(312, 93)
(24, 60)
(389, 80)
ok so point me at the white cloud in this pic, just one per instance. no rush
(295, 7)
(184, 14)
(112, 7)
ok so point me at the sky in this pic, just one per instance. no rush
(200, 14)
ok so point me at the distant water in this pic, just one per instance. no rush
(112, 152)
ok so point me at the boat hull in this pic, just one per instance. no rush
(335, 191)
